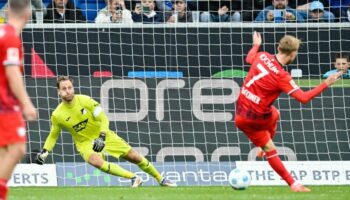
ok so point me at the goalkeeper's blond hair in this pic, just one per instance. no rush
(288, 44)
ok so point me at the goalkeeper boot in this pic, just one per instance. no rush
(167, 183)
(136, 181)
(297, 187)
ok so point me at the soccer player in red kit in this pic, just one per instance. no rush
(14, 100)
(255, 114)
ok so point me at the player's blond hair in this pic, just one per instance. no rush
(63, 78)
(18, 6)
(289, 44)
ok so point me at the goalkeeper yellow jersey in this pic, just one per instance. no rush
(83, 118)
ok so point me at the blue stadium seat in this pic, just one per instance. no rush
(2, 3)
(90, 8)
(47, 2)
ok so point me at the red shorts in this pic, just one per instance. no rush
(259, 131)
(12, 129)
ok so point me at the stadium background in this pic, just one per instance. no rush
(191, 138)
(318, 131)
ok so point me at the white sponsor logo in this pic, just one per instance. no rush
(34, 175)
(198, 99)
(216, 173)
(306, 172)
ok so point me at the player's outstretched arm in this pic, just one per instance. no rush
(254, 51)
(305, 97)
(50, 141)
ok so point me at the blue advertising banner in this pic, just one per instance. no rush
(209, 173)
(183, 173)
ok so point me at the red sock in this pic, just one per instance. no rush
(3, 189)
(276, 164)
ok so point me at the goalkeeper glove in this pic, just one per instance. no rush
(40, 158)
(99, 143)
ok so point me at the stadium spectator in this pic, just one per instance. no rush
(37, 5)
(346, 17)
(146, 13)
(180, 14)
(304, 5)
(279, 11)
(339, 8)
(14, 100)
(63, 11)
(342, 63)
(166, 6)
(251, 9)
(114, 12)
(221, 11)
(299, 4)
(317, 13)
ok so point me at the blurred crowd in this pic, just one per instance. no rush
(182, 11)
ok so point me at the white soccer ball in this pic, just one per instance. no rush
(239, 179)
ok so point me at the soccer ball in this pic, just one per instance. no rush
(239, 179)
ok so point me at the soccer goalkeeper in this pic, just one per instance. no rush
(86, 121)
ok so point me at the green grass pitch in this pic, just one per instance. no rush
(179, 193)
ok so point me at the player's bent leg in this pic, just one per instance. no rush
(10, 156)
(117, 147)
(260, 153)
(110, 168)
(148, 167)
(274, 120)
(134, 157)
(3, 153)
(269, 146)
(3, 181)
(276, 163)
(14, 153)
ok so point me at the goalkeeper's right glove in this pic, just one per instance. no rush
(40, 158)
(99, 143)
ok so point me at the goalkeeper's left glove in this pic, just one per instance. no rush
(99, 143)
(40, 157)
